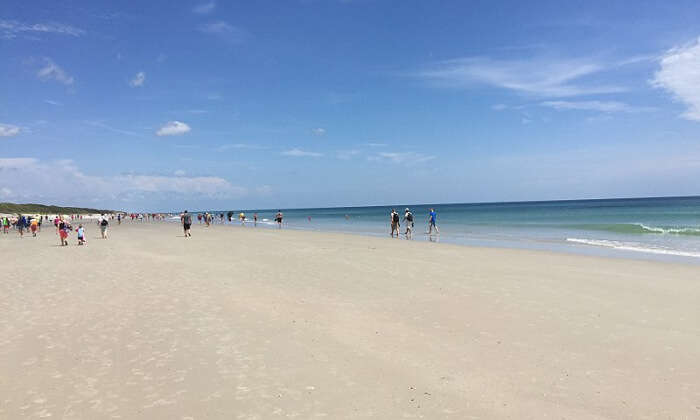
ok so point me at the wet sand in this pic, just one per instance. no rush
(243, 323)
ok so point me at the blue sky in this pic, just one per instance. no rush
(223, 104)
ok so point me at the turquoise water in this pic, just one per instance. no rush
(666, 228)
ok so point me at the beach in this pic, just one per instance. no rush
(249, 323)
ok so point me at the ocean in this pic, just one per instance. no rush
(648, 228)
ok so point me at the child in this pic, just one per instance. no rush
(81, 235)
(63, 233)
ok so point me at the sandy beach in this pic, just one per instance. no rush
(243, 323)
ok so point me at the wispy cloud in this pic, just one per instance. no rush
(100, 124)
(173, 128)
(301, 153)
(499, 107)
(680, 76)
(138, 80)
(204, 8)
(8, 130)
(318, 131)
(375, 144)
(537, 76)
(11, 29)
(224, 147)
(347, 154)
(409, 158)
(76, 185)
(600, 106)
(52, 102)
(52, 71)
(225, 31)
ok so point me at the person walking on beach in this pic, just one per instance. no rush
(5, 225)
(186, 223)
(34, 226)
(278, 218)
(255, 219)
(394, 219)
(21, 224)
(432, 220)
(63, 232)
(408, 219)
(81, 235)
(103, 226)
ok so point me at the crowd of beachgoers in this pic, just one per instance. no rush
(64, 225)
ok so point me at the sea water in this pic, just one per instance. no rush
(655, 228)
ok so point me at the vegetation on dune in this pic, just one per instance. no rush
(13, 208)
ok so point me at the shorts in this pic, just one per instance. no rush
(103, 229)
(432, 222)
(186, 226)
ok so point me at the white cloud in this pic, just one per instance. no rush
(537, 76)
(499, 107)
(225, 31)
(8, 130)
(301, 153)
(51, 71)
(318, 131)
(50, 102)
(11, 28)
(138, 80)
(63, 181)
(239, 146)
(680, 75)
(600, 106)
(376, 144)
(409, 158)
(173, 128)
(204, 8)
(347, 154)
(179, 172)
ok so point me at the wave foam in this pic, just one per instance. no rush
(624, 246)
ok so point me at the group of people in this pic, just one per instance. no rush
(395, 222)
(62, 224)
(208, 219)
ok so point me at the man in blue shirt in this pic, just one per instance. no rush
(432, 219)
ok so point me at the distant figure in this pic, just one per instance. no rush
(34, 226)
(309, 217)
(5, 225)
(103, 226)
(199, 218)
(21, 224)
(186, 219)
(394, 220)
(230, 216)
(207, 219)
(347, 217)
(255, 219)
(119, 219)
(432, 220)
(408, 219)
(81, 235)
(63, 232)
(278, 218)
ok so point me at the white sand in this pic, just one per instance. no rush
(261, 324)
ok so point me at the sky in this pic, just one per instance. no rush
(162, 106)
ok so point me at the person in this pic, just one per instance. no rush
(207, 219)
(199, 218)
(81, 235)
(230, 216)
(119, 219)
(186, 223)
(34, 226)
(241, 217)
(394, 219)
(63, 232)
(255, 219)
(5, 225)
(21, 224)
(103, 226)
(278, 218)
(408, 219)
(432, 220)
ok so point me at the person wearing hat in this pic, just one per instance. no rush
(408, 219)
